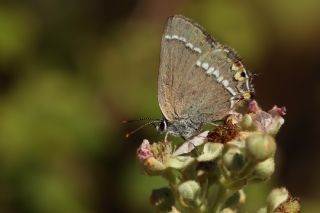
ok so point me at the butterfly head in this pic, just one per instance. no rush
(161, 126)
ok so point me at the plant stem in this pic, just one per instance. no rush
(222, 196)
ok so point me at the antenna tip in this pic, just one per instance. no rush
(127, 135)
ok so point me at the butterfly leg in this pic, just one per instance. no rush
(166, 137)
(215, 123)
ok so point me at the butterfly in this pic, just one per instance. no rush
(200, 80)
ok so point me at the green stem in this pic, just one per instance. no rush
(246, 171)
(204, 202)
(172, 178)
(222, 196)
(240, 180)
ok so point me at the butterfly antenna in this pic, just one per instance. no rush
(137, 129)
(140, 119)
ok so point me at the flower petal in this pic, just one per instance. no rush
(191, 144)
(210, 152)
(179, 162)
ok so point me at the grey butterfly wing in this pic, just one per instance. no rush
(196, 76)
(178, 53)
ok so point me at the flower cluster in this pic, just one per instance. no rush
(208, 172)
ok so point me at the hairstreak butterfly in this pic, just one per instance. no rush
(200, 80)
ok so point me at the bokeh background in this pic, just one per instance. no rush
(71, 71)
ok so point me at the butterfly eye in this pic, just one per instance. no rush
(163, 126)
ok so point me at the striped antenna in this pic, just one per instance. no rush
(140, 119)
(140, 127)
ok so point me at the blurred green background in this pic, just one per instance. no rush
(70, 71)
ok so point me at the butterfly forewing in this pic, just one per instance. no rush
(179, 49)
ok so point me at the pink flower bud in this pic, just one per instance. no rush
(144, 151)
(253, 107)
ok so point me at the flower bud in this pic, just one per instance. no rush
(276, 198)
(174, 210)
(243, 197)
(227, 210)
(247, 122)
(189, 192)
(233, 159)
(263, 170)
(260, 147)
(253, 107)
(262, 210)
(162, 199)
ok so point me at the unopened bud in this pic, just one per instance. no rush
(227, 210)
(247, 122)
(262, 210)
(233, 159)
(276, 198)
(189, 192)
(260, 146)
(263, 170)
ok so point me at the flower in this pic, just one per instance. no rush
(280, 111)
(208, 172)
(225, 132)
(259, 120)
(190, 193)
(157, 157)
(276, 197)
(253, 107)
(144, 151)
